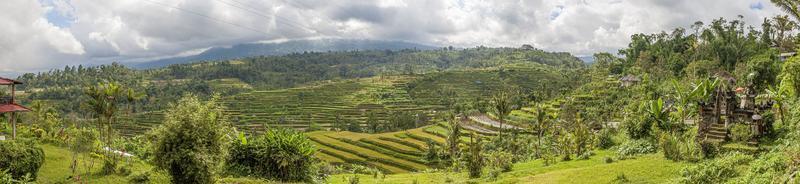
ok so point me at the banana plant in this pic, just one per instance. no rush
(779, 96)
(657, 113)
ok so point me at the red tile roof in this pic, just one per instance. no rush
(5, 81)
(12, 108)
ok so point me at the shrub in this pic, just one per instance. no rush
(140, 177)
(6, 178)
(353, 179)
(669, 146)
(21, 158)
(766, 169)
(279, 154)
(608, 160)
(605, 139)
(741, 133)
(621, 178)
(474, 160)
(502, 161)
(635, 147)
(715, 171)
(192, 141)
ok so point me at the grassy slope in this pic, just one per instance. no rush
(56, 168)
(646, 169)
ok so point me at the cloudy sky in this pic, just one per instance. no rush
(43, 34)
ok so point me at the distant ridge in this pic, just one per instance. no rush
(282, 48)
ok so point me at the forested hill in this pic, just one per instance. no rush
(164, 85)
(282, 48)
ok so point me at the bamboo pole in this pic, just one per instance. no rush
(13, 126)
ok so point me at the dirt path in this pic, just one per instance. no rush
(485, 120)
(469, 125)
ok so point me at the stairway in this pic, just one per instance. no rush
(716, 133)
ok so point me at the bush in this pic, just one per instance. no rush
(766, 169)
(474, 160)
(669, 146)
(502, 161)
(140, 177)
(192, 141)
(21, 158)
(278, 154)
(715, 171)
(741, 133)
(605, 139)
(608, 160)
(621, 178)
(635, 147)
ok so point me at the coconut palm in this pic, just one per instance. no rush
(789, 6)
(502, 104)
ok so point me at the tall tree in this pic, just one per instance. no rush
(502, 105)
(104, 101)
(453, 136)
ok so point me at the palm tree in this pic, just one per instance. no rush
(501, 103)
(789, 6)
(543, 119)
(783, 25)
(453, 138)
(104, 100)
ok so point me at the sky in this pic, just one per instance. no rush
(39, 35)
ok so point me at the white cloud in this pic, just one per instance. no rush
(132, 30)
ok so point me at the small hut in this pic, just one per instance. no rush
(9, 105)
(629, 80)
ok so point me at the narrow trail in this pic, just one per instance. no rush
(485, 120)
(467, 124)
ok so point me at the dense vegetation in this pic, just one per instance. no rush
(452, 115)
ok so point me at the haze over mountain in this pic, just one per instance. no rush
(285, 47)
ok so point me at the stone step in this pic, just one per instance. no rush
(717, 129)
(712, 140)
(712, 136)
(715, 132)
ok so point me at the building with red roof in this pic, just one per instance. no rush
(9, 105)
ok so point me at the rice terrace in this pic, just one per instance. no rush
(399, 91)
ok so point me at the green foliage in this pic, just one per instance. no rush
(474, 159)
(620, 178)
(762, 70)
(21, 159)
(605, 139)
(7, 178)
(500, 160)
(453, 136)
(768, 168)
(702, 69)
(635, 147)
(278, 154)
(741, 132)
(192, 142)
(790, 76)
(670, 146)
(718, 170)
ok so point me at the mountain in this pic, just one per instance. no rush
(587, 59)
(282, 48)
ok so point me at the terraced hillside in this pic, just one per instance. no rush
(354, 99)
(394, 152)
(322, 103)
(472, 85)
